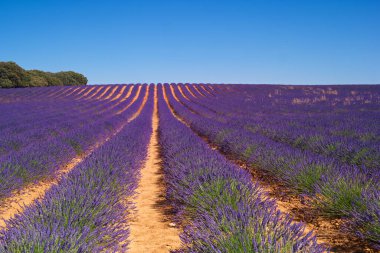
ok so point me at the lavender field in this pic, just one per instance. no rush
(190, 168)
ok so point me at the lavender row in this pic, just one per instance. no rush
(10, 95)
(34, 163)
(86, 211)
(26, 111)
(48, 129)
(350, 135)
(337, 190)
(222, 209)
(37, 93)
(288, 155)
(23, 113)
(12, 144)
(342, 190)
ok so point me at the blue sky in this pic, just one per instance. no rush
(216, 41)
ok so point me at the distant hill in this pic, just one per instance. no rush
(12, 76)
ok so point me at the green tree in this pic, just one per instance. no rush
(71, 78)
(10, 72)
(12, 75)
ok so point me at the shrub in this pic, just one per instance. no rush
(12, 75)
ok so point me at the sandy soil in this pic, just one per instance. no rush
(129, 92)
(137, 113)
(81, 91)
(181, 91)
(173, 92)
(34, 192)
(112, 92)
(55, 92)
(190, 91)
(121, 92)
(72, 92)
(151, 230)
(95, 93)
(171, 108)
(65, 92)
(25, 197)
(210, 86)
(118, 102)
(206, 90)
(133, 100)
(196, 88)
(86, 93)
(104, 92)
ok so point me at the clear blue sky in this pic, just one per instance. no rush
(236, 41)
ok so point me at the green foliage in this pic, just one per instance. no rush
(12, 75)
(71, 78)
(307, 178)
(36, 81)
(50, 78)
(76, 146)
(248, 151)
(341, 196)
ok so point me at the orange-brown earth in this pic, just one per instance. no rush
(88, 92)
(112, 92)
(95, 93)
(151, 229)
(190, 91)
(196, 88)
(72, 91)
(120, 93)
(133, 100)
(104, 92)
(206, 90)
(182, 93)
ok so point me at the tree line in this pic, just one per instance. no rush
(12, 75)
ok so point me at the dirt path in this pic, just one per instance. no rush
(210, 86)
(86, 93)
(151, 231)
(120, 99)
(120, 93)
(79, 93)
(93, 95)
(173, 92)
(112, 92)
(104, 92)
(328, 231)
(190, 91)
(25, 197)
(196, 88)
(34, 192)
(182, 93)
(133, 100)
(206, 90)
(72, 92)
(137, 113)
(57, 92)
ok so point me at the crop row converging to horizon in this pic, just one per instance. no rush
(245, 168)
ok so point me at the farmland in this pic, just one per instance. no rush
(190, 168)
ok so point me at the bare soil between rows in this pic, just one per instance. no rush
(150, 223)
